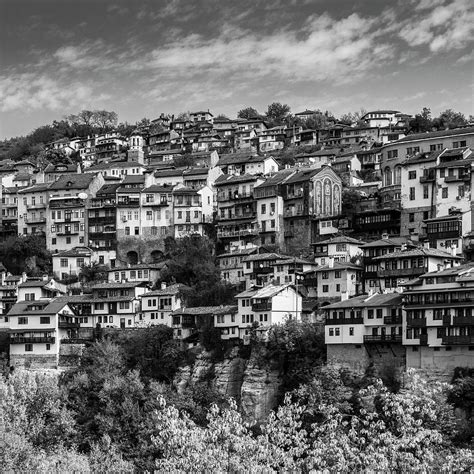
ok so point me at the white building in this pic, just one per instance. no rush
(69, 262)
(157, 305)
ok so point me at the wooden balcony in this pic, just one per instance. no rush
(262, 306)
(31, 339)
(392, 319)
(463, 321)
(402, 272)
(354, 320)
(458, 340)
(416, 322)
(382, 338)
(68, 325)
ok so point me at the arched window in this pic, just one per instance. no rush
(388, 176)
(398, 175)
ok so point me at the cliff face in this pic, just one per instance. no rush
(255, 388)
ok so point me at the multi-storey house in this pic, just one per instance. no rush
(156, 213)
(236, 213)
(32, 209)
(36, 331)
(34, 289)
(117, 169)
(394, 155)
(231, 266)
(271, 139)
(197, 178)
(341, 248)
(438, 329)
(263, 307)
(396, 268)
(140, 273)
(191, 210)
(9, 223)
(102, 224)
(109, 145)
(365, 330)
(69, 263)
(54, 171)
(201, 116)
(8, 294)
(338, 280)
(188, 323)
(66, 220)
(157, 305)
(247, 163)
(312, 198)
(370, 159)
(381, 118)
(269, 205)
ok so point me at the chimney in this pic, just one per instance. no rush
(404, 247)
(163, 285)
(385, 236)
(331, 262)
(344, 296)
(23, 277)
(45, 277)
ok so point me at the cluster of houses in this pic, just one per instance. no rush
(371, 236)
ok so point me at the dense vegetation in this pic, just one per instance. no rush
(118, 412)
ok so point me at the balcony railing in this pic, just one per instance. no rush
(443, 235)
(452, 179)
(416, 322)
(40, 205)
(355, 320)
(401, 272)
(238, 233)
(68, 325)
(446, 320)
(427, 179)
(392, 319)
(383, 338)
(458, 340)
(68, 232)
(463, 321)
(263, 270)
(31, 340)
(262, 306)
(35, 220)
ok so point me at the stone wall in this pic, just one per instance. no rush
(34, 362)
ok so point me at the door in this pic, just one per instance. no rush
(122, 323)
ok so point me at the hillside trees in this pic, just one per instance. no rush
(248, 113)
(278, 114)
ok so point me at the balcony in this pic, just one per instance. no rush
(68, 325)
(104, 220)
(34, 207)
(66, 202)
(446, 320)
(157, 203)
(402, 272)
(427, 179)
(68, 232)
(263, 270)
(237, 233)
(373, 339)
(392, 319)
(463, 321)
(267, 306)
(416, 323)
(450, 234)
(31, 340)
(35, 220)
(462, 177)
(103, 203)
(458, 340)
(132, 202)
(355, 320)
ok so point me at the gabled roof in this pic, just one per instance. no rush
(206, 310)
(266, 292)
(170, 290)
(365, 301)
(339, 266)
(389, 242)
(302, 175)
(116, 286)
(240, 253)
(239, 158)
(73, 181)
(70, 168)
(340, 239)
(36, 188)
(264, 256)
(232, 179)
(277, 178)
(158, 188)
(441, 133)
(75, 252)
(115, 164)
(48, 307)
(34, 283)
(108, 189)
(418, 252)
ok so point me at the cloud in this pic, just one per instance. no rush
(28, 91)
(446, 27)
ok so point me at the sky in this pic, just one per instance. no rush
(141, 58)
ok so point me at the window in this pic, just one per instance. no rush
(45, 319)
(325, 288)
(412, 194)
(28, 347)
(370, 314)
(127, 230)
(337, 274)
(325, 275)
(48, 347)
(412, 175)
(137, 230)
(461, 191)
(411, 217)
(426, 191)
(337, 332)
(80, 262)
(379, 313)
(351, 331)
(264, 209)
(68, 240)
(338, 287)
(64, 262)
(444, 194)
(22, 320)
(149, 215)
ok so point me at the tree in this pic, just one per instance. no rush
(221, 117)
(248, 113)
(105, 120)
(93, 272)
(354, 118)
(278, 114)
(192, 262)
(449, 119)
(422, 122)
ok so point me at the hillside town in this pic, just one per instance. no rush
(365, 229)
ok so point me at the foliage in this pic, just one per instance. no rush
(423, 122)
(350, 198)
(93, 272)
(248, 113)
(26, 253)
(185, 160)
(354, 118)
(192, 262)
(221, 117)
(278, 114)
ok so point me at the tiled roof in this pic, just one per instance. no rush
(276, 178)
(239, 158)
(231, 179)
(441, 133)
(75, 252)
(239, 253)
(304, 175)
(108, 189)
(36, 188)
(115, 286)
(265, 292)
(364, 301)
(115, 164)
(73, 181)
(418, 252)
(158, 188)
(49, 307)
(170, 290)
(34, 283)
(389, 242)
(150, 266)
(450, 271)
(206, 310)
(70, 168)
(264, 256)
(339, 266)
(339, 240)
